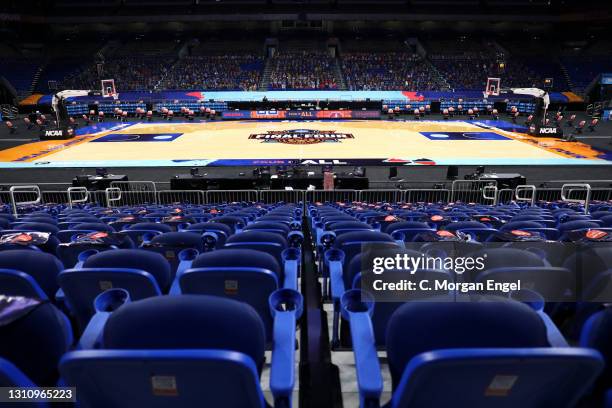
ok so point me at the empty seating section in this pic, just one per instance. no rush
(118, 276)
(196, 294)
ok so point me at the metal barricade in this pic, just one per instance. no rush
(471, 191)
(425, 195)
(16, 191)
(493, 197)
(601, 194)
(112, 196)
(331, 196)
(230, 196)
(548, 194)
(381, 195)
(566, 192)
(276, 196)
(77, 190)
(55, 197)
(505, 196)
(137, 192)
(196, 197)
(525, 187)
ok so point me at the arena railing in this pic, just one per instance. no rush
(427, 195)
(16, 200)
(148, 194)
(473, 191)
(566, 193)
(165, 197)
(275, 196)
(528, 188)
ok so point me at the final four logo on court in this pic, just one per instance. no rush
(301, 136)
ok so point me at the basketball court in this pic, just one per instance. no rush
(224, 143)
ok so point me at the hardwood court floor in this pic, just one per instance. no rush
(243, 142)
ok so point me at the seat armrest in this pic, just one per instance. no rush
(286, 307)
(357, 307)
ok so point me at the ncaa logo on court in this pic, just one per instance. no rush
(301, 136)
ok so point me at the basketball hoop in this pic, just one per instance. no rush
(493, 87)
(108, 88)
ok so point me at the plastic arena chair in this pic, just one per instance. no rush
(567, 227)
(351, 279)
(235, 223)
(214, 234)
(34, 335)
(242, 274)
(138, 231)
(336, 261)
(28, 239)
(94, 226)
(475, 351)
(477, 230)
(29, 273)
(405, 231)
(196, 350)
(35, 226)
(269, 226)
(11, 376)
(597, 334)
(270, 242)
(141, 273)
(554, 284)
(70, 252)
(171, 244)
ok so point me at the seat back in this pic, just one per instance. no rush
(42, 267)
(152, 378)
(16, 283)
(170, 244)
(191, 350)
(81, 287)
(241, 274)
(269, 242)
(499, 377)
(34, 335)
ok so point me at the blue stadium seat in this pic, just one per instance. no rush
(35, 226)
(405, 231)
(141, 273)
(196, 350)
(170, 245)
(269, 242)
(474, 351)
(336, 261)
(597, 334)
(220, 231)
(137, 231)
(11, 376)
(554, 284)
(384, 310)
(69, 252)
(478, 230)
(235, 223)
(28, 273)
(243, 274)
(34, 334)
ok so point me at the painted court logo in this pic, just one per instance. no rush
(301, 136)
